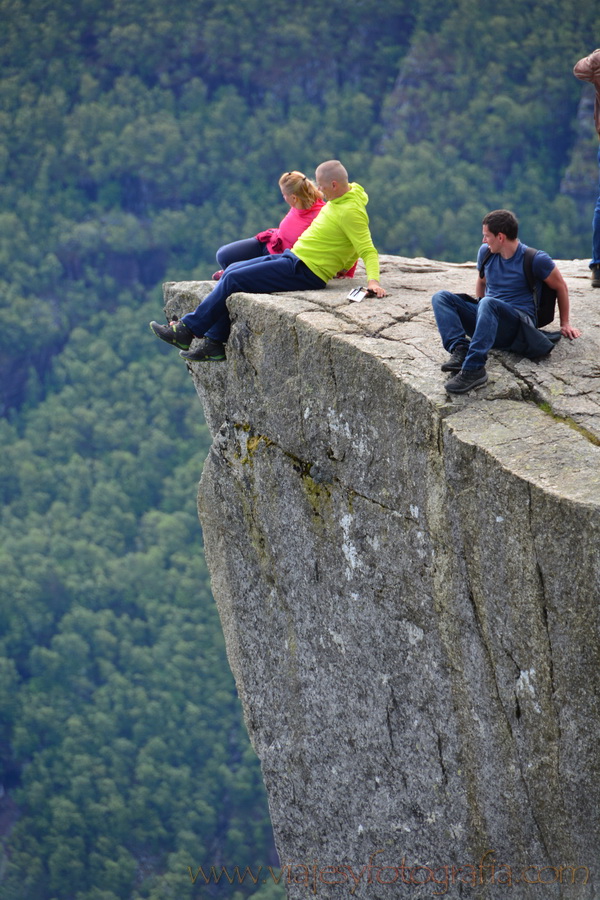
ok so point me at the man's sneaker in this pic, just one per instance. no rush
(454, 364)
(595, 276)
(466, 379)
(175, 333)
(206, 351)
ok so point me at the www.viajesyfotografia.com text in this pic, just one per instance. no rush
(440, 878)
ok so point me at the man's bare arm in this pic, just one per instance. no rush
(556, 281)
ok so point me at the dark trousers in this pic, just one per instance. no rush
(490, 323)
(596, 227)
(249, 248)
(265, 275)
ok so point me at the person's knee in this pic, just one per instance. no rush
(236, 279)
(440, 299)
(489, 304)
(492, 306)
(223, 256)
(236, 251)
(443, 300)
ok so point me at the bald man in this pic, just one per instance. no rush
(331, 243)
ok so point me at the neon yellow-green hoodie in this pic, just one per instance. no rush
(338, 236)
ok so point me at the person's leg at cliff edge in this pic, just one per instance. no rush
(496, 326)
(206, 351)
(266, 275)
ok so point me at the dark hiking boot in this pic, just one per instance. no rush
(175, 333)
(206, 351)
(466, 380)
(596, 276)
(454, 364)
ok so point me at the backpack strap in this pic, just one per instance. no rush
(528, 258)
(486, 256)
(528, 267)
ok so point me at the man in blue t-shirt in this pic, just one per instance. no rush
(502, 306)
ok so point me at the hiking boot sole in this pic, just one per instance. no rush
(169, 337)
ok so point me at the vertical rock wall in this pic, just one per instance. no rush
(408, 586)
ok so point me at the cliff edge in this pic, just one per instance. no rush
(408, 585)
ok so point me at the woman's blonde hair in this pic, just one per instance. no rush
(302, 187)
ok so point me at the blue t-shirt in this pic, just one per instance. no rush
(505, 278)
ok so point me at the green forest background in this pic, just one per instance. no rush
(136, 137)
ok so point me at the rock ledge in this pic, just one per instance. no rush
(408, 585)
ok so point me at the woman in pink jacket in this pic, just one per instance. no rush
(305, 203)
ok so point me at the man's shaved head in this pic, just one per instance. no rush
(332, 170)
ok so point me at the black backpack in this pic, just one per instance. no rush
(544, 297)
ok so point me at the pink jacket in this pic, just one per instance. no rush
(588, 69)
(290, 228)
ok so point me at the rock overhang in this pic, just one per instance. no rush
(426, 564)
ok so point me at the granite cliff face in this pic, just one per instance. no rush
(408, 585)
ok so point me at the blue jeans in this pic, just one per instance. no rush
(596, 225)
(491, 323)
(265, 275)
(249, 248)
